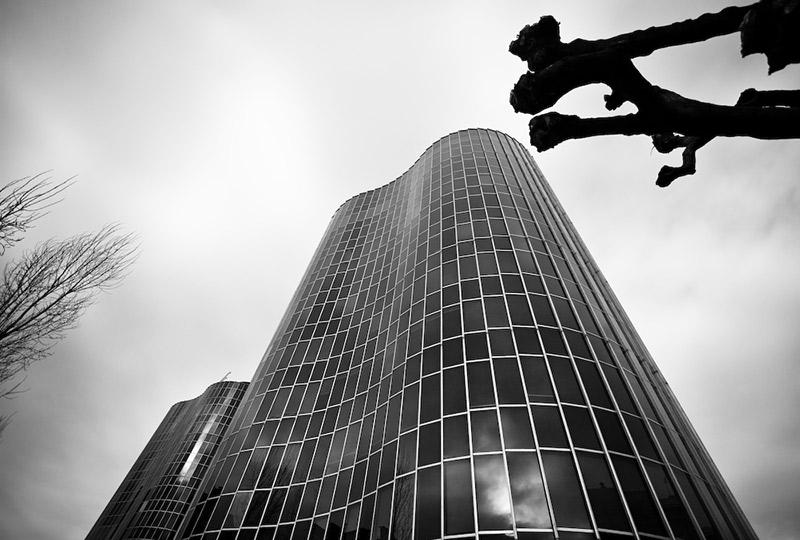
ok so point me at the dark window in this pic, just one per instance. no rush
(495, 312)
(537, 380)
(429, 444)
(581, 428)
(428, 503)
(549, 428)
(566, 382)
(640, 500)
(479, 378)
(542, 311)
(565, 490)
(509, 383)
(430, 399)
(593, 384)
(527, 340)
(475, 346)
(642, 440)
(619, 389)
(473, 315)
(456, 436)
(458, 512)
(455, 399)
(520, 312)
(670, 502)
(612, 431)
(603, 495)
(553, 342)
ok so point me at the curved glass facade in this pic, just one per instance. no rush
(154, 497)
(454, 365)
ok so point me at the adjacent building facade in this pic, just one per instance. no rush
(154, 496)
(454, 365)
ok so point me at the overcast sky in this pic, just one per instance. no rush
(227, 133)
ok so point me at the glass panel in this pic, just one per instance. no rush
(455, 399)
(485, 431)
(566, 382)
(491, 490)
(517, 432)
(509, 384)
(670, 502)
(642, 440)
(537, 380)
(475, 346)
(603, 496)
(430, 399)
(542, 310)
(520, 312)
(473, 315)
(619, 389)
(581, 428)
(380, 528)
(479, 378)
(549, 429)
(593, 384)
(698, 508)
(527, 490)
(429, 444)
(403, 508)
(566, 495)
(458, 512)
(612, 432)
(428, 504)
(456, 436)
(640, 500)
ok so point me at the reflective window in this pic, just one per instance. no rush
(640, 501)
(603, 495)
(458, 512)
(491, 493)
(527, 490)
(549, 428)
(428, 503)
(485, 431)
(566, 494)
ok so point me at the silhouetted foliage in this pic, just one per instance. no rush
(44, 292)
(771, 27)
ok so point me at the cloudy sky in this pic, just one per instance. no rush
(225, 134)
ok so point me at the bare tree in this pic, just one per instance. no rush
(45, 291)
(771, 27)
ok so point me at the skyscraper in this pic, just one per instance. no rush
(453, 364)
(154, 496)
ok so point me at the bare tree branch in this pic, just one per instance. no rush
(45, 291)
(22, 202)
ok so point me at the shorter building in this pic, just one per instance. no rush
(154, 496)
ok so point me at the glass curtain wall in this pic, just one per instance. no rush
(155, 494)
(454, 365)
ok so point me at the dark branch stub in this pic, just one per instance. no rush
(673, 121)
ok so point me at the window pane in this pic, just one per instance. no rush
(455, 399)
(429, 444)
(479, 377)
(491, 491)
(430, 399)
(549, 429)
(428, 504)
(537, 380)
(509, 383)
(603, 496)
(612, 432)
(485, 431)
(517, 432)
(527, 490)
(565, 490)
(456, 436)
(566, 382)
(670, 502)
(458, 513)
(640, 501)
(581, 428)
(593, 384)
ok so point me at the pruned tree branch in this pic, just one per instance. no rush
(557, 68)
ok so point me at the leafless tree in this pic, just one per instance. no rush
(771, 27)
(44, 292)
